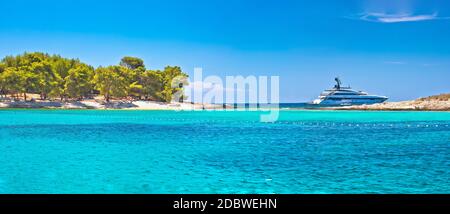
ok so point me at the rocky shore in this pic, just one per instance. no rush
(432, 103)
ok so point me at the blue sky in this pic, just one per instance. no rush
(400, 49)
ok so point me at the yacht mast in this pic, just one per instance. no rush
(338, 81)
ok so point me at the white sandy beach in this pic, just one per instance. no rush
(99, 104)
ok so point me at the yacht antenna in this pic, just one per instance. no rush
(338, 81)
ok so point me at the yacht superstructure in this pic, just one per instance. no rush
(346, 96)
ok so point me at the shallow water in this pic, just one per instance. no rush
(89, 151)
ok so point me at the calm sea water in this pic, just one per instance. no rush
(88, 151)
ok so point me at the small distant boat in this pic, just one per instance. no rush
(346, 96)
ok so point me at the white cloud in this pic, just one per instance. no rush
(399, 17)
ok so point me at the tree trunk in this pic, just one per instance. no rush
(25, 96)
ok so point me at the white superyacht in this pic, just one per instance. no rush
(346, 96)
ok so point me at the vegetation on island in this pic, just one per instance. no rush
(440, 97)
(56, 77)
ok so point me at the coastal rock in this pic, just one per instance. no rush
(432, 103)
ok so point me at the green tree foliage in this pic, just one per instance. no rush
(2, 85)
(133, 72)
(132, 63)
(13, 81)
(78, 82)
(152, 82)
(47, 79)
(2, 67)
(111, 82)
(170, 87)
(52, 76)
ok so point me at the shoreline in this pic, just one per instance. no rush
(112, 105)
(160, 106)
(437, 103)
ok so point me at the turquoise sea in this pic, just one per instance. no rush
(90, 151)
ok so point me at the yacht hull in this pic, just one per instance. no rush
(349, 102)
